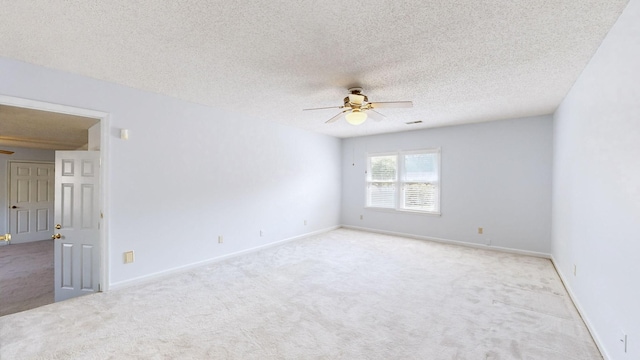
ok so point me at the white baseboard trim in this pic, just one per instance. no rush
(576, 303)
(453, 242)
(179, 269)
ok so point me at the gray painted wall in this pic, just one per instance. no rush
(21, 154)
(596, 192)
(189, 173)
(495, 175)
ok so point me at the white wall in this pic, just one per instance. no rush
(93, 143)
(596, 192)
(21, 154)
(189, 173)
(495, 175)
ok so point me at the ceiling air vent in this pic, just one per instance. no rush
(414, 122)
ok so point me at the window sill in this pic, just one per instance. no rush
(400, 211)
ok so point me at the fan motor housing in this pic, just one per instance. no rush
(353, 105)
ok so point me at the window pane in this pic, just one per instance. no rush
(406, 181)
(420, 196)
(421, 167)
(382, 195)
(383, 168)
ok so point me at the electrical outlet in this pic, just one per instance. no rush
(623, 340)
(128, 257)
(480, 230)
(361, 217)
(305, 222)
(220, 239)
(261, 233)
(488, 242)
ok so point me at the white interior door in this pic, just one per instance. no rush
(30, 201)
(77, 219)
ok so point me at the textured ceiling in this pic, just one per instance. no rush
(42, 130)
(459, 61)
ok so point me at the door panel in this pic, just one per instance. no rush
(66, 266)
(87, 203)
(77, 251)
(23, 222)
(86, 276)
(30, 201)
(42, 220)
(23, 190)
(42, 189)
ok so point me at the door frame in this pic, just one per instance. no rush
(8, 219)
(103, 117)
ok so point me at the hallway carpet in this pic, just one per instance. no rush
(344, 294)
(26, 276)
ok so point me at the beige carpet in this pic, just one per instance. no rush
(340, 295)
(26, 276)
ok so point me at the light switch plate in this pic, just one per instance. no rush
(128, 257)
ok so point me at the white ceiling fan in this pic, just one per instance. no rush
(356, 106)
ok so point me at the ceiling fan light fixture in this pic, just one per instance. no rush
(356, 117)
(355, 105)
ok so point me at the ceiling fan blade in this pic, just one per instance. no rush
(391, 104)
(323, 108)
(375, 116)
(335, 118)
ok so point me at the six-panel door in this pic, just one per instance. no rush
(30, 201)
(77, 243)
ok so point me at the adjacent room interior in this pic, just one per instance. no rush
(439, 181)
(28, 143)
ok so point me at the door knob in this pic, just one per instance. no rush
(14, 207)
(58, 226)
(56, 236)
(5, 237)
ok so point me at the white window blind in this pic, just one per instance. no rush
(420, 188)
(381, 187)
(408, 180)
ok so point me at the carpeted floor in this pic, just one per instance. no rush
(26, 276)
(344, 294)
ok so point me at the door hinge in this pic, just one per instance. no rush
(99, 287)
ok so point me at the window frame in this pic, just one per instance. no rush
(400, 181)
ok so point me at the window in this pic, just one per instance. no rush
(405, 181)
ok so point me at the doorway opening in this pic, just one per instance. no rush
(31, 133)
